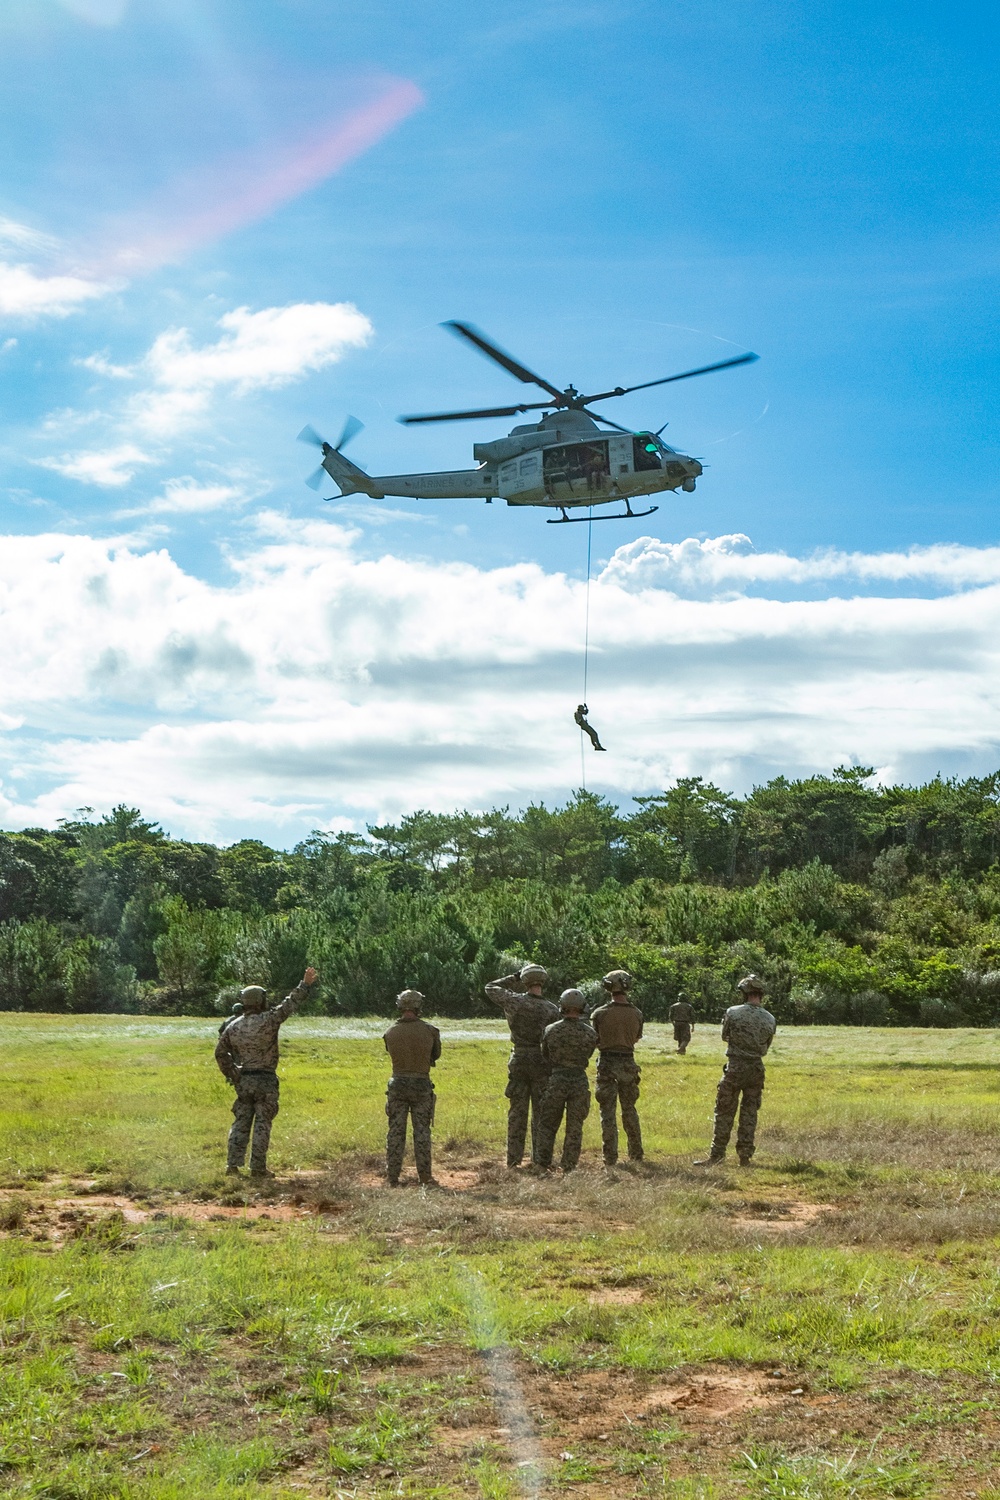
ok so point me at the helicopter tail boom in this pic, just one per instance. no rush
(350, 479)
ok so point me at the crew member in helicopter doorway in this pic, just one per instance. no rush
(580, 717)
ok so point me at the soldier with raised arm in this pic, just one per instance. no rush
(748, 1030)
(519, 996)
(414, 1047)
(567, 1046)
(618, 1024)
(247, 1055)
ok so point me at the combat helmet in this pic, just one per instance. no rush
(573, 1000)
(532, 974)
(752, 985)
(253, 997)
(618, 981)
(409, 1000)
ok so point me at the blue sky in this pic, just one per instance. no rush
(221, 221)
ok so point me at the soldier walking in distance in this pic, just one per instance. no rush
(519, 996)
(749, 1031)
(618, 1025)
(247, 1054)
(414, 1046)
(682, 1017)
(567, 1045)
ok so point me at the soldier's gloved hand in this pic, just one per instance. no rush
(309, 977)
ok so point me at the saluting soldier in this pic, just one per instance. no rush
(748, 1029)
(519, 996)
(567, 1045)
(414, 1047)
(682, 1018)
(618, 1025)
(247, 1055)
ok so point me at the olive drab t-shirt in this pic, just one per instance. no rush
(682, 1013)
(414, 1047)
(526, 1015)
(749, 1030)
(569, 1043)
(618, 1026)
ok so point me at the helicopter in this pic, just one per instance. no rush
(571, 458)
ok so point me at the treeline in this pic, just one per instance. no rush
(858, 903)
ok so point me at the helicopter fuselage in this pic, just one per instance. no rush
(564, 461)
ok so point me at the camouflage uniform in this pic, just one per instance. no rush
(749, 1031)
(414, 1046)
(682, 1017)
(247, 1054)
(527, 1071)
(618, 1026)
(567, 1047)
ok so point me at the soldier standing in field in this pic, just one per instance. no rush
(618, 1025)
(749, 1031)
(567, 1046)
(414, 1047)
(519, 996)
(247, 1055)
(682, 1018)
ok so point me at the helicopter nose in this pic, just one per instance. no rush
(694, 468)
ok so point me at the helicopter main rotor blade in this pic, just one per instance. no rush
(465, 416)
(625, 390)
(607, 420)
(498, 355)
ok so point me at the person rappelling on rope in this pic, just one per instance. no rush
(581, 718)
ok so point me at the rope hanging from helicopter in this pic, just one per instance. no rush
(580, 717)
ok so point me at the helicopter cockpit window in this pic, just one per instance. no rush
(645, 452)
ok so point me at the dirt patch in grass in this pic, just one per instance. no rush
(782, 1217)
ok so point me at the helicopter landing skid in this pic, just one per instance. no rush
(628, 514)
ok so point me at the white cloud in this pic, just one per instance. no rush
(187, 497)
(730, 562)
(97, 12)
(110, 467)
(178, 379)
(317, 684)
(24, 293)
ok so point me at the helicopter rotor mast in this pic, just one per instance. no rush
(570, 399)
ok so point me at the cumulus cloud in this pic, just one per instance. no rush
(707, 566)
(109, 467)
(187, 497)
(315, 685)
(177, 379)
(27, 291)
(26, 294)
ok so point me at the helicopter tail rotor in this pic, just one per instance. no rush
(309, 435)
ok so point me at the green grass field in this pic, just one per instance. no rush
(825, 1325)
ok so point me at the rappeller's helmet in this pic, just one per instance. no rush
(237, 1008)
(573, 1000)
(409, 1000)
(617, 982)
(533, 974)
(253, 998)
(752, 985)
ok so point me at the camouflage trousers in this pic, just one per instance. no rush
(254, 1108)
(527, 1076)
(568, 1091)
(682, 1036)
(741, 1076)
(618, 1084)
(409, 1096)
